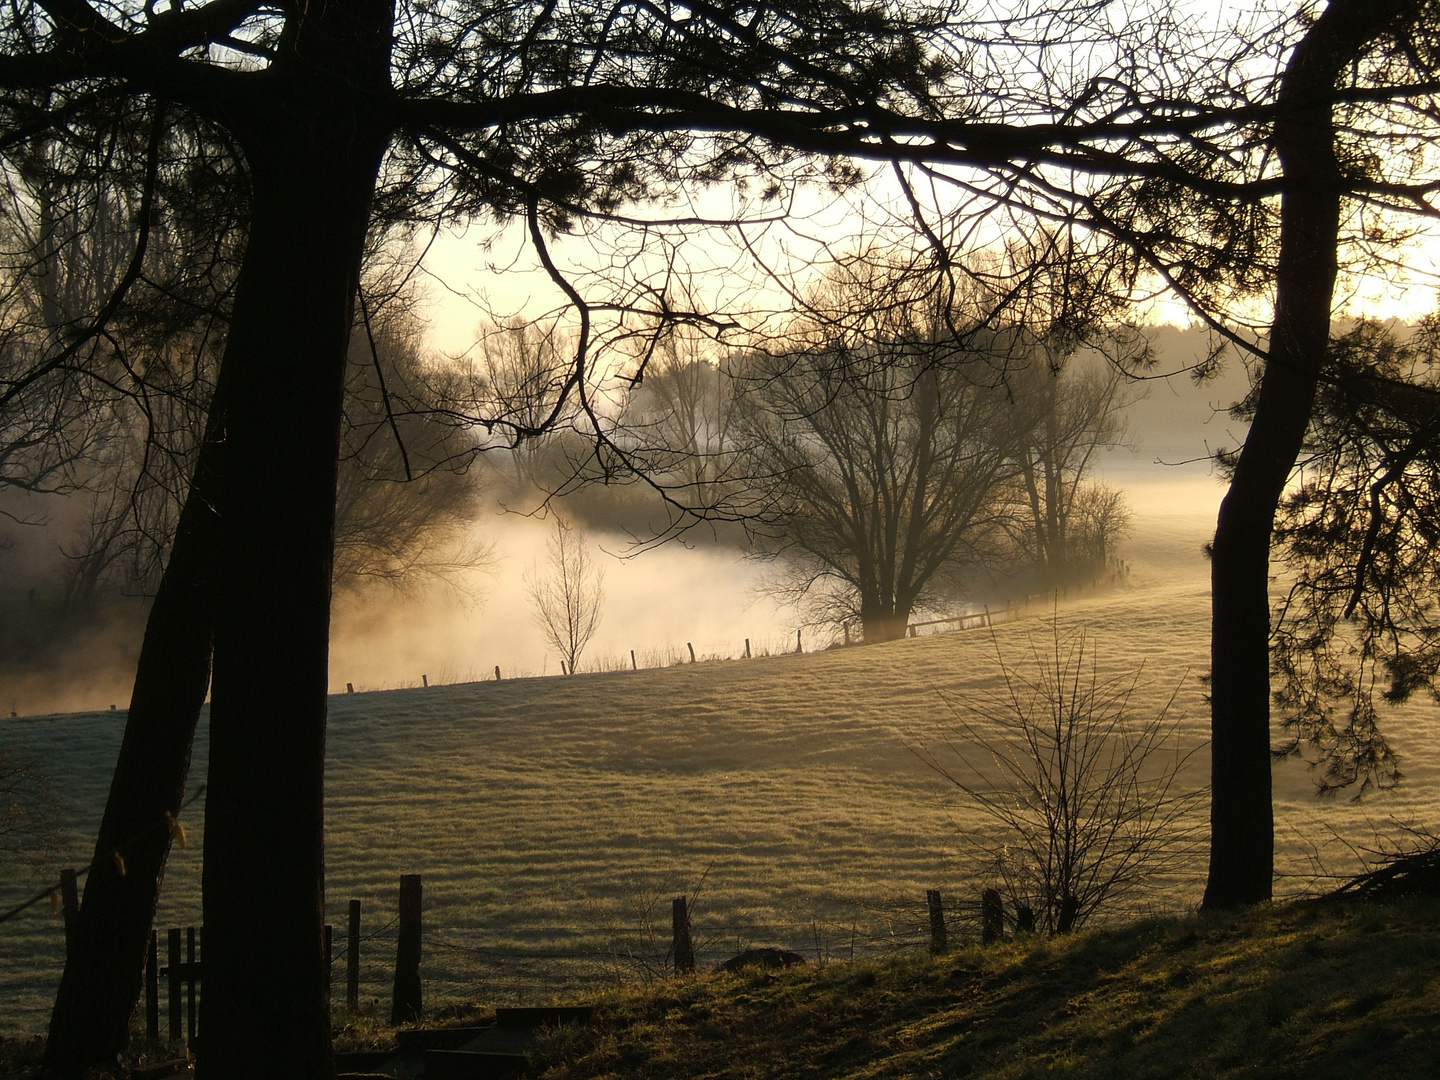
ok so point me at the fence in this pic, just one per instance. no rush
(903, 923)
(1115, 572)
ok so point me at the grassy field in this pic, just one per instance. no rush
(1312, 991)
(553, 819)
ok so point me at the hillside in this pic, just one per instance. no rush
(1315, 991)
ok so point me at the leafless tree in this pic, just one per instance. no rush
(568, 593)
(1073, 522)
(1088, 802)
(31, 810)
(1171, 139)
(881, 450)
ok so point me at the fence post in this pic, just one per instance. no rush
(190, 1017)
(747, 648)
(329, 965)
(352, 960)
(349, 687)
(938, 944)
(691, 647)
(405, 1000)
(798, 648)
(992, 917)
(680, 930)
(152, 990)
(425, 681)
(70, 900)
(174, 973)
(633, 665)
(497, 672)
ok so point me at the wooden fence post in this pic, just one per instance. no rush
(633, 665)
(349, 687)
(329, 932)
(405, 1000)
(152, 990)
(798, 649)
(174, 972)
(680, 930)
(69, 899)
(190, 968)
(497, 672)
(691, 647)
(352, 960)
(747, 648)
(938, 944)
(425, 680)
(992, 917)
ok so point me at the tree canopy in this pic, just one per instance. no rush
(1217, 161)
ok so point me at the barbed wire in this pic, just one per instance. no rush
(169, 822)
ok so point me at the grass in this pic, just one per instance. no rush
(553, 819)
(1306, 990)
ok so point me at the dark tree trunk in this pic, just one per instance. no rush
(1241, 821)
(106, 957)
(884, 625)
(313, 146)
(264, 867)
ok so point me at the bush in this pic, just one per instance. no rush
(1085, 800)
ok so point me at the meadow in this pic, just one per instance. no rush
(553, 818)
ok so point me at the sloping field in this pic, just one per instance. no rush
(553, 819)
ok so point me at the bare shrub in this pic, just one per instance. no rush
(31, 812)
(568, 593)
(1084, 799)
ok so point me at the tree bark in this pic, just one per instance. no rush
(313, 176)
(1241, 816)
(106, 958)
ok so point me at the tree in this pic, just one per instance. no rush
(1357, 539)
(1350, 42)
(882, 453)
(568, 593)
(558, 116)
(1073, 522)
(1085, 796)
(30, 810)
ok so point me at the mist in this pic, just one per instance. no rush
(703, 592)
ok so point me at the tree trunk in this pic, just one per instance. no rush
(313, 141)
(265, 1004)
(877, 625)
(106, 956)
(1241, 819)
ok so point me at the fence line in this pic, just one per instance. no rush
(601, 954)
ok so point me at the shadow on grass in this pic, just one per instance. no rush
(1316, 991)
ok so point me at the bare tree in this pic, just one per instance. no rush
(568, 593)
(31, 810)
(883, 463)
(1076, 412)
(1087, 801)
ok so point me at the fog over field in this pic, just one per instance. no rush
(553, 818)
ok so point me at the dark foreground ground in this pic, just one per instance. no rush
(1315, 990)
(1311, 990)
